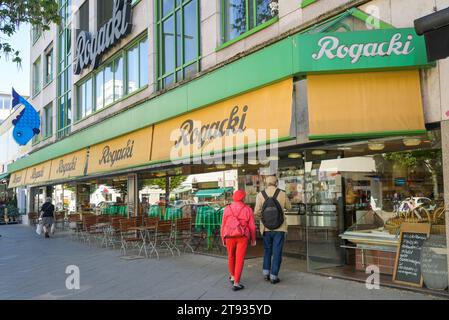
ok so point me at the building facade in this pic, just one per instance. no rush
(343, 86)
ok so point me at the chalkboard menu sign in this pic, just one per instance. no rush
(434, 262)
(407, 269)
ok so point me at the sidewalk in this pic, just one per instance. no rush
(32, 267)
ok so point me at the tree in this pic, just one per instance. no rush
(175, 182)
(13, 13)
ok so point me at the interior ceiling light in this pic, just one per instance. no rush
(294, 155)
(411, 142)
(273, 158)
(318, 152)
(376, 146)
(344, 148)
(221, 166)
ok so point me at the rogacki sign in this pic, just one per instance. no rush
(90, 47)
(361, 50)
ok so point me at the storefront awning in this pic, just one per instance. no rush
(17, 179)
(209, 193)
(253, 118)
(367, 104)
(4, 175)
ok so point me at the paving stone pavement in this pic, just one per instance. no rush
(32, 267)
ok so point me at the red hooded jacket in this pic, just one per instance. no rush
(246, 217)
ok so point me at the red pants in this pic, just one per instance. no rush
(236, 256)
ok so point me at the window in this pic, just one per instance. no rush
(85, 99)
(37, 76)
(84, 16)
(240, 16)
(137, 66)
(104, 12)
(178, 55)
(64, 79)
(123, 74)
(36, 32)
(37, 137)
(48, 76)
(48, 121)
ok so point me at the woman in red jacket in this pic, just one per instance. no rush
(237, 229)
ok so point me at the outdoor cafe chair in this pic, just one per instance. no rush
(183, 234)
(128, 237)
(164, 236)
(60, 220)
(33, 218)
(114, 232)
(151, 225)
(90, 232)
(74, 225)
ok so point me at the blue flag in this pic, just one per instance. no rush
(27, 123)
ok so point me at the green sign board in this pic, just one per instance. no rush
(361, 50)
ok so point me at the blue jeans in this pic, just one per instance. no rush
(273, 242)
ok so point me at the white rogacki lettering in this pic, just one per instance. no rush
(331, 48)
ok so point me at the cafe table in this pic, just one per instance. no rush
(172, 214)
(155, 212)
(209, 220)
(144, 233)
(105, 228)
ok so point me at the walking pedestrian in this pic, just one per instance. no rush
(237, 229)
(270, 205)
(48, 216)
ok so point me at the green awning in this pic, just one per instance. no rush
(4, 175)
(209, 193)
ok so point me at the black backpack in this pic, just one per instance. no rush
(272, 213)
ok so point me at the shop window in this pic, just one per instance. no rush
(37, 77)
(48, 121)
(241, 16)
(48, 75)
(178, 29)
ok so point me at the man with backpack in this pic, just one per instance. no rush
(270, 205)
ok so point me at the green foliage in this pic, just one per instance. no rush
(175, 182)
(13, 13)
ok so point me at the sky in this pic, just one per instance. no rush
(10, 74)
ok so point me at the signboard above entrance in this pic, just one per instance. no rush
(90, 47)
(361, 50)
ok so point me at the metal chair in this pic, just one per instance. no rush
(183, 234)
(151, 225)
(33, 218)
(164, 236)
(128, 236)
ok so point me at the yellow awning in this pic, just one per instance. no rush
(38, 174)
(69, 166)
(17, 179)
(250, 119)
(365, 104)
(123, 152)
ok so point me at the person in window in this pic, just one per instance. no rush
(48, 216)
(237, 229)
